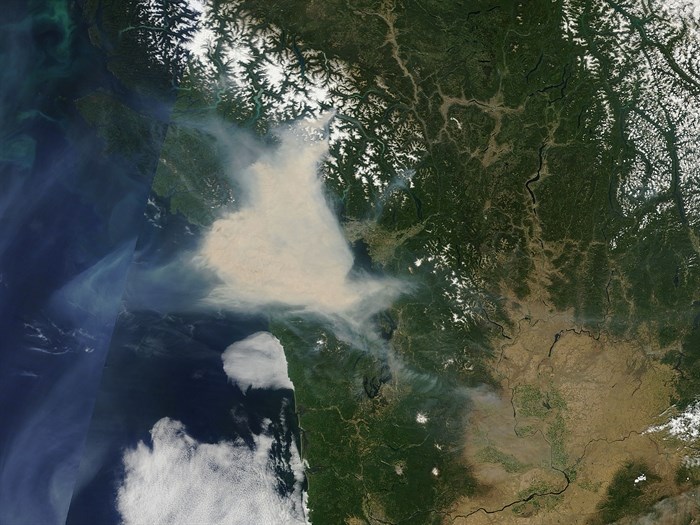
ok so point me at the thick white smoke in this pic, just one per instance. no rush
(284, 245)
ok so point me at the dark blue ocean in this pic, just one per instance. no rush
(93, 349)
(70, 217)
(165, 361)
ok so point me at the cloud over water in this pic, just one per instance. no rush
(180, 481)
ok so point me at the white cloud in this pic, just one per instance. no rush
(180, 481)
(257, 361)
(284, 246)
(685, 426)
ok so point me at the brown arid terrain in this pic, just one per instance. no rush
(572, 411)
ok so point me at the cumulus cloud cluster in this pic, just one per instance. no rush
(257, 361)
(180, 481)
(685, 426)
(284, 245)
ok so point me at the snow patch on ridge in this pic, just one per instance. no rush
(652, 80)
